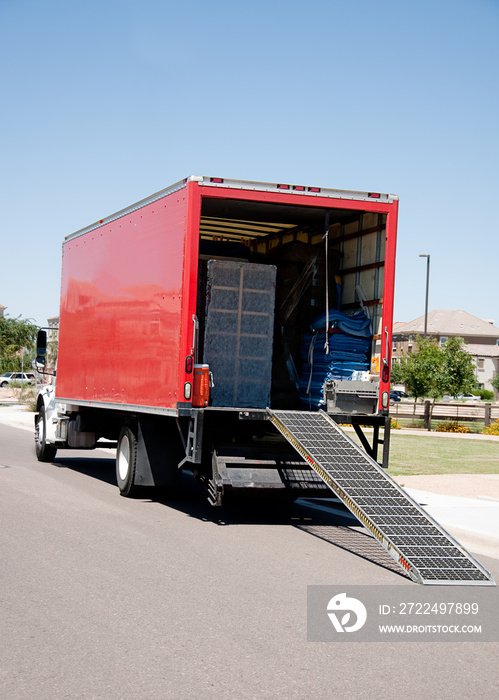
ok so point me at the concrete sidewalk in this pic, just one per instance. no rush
(16, 415)
(467, 505)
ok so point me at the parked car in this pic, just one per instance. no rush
(462, 397)
(12, 377)
(395, 396)
(400, 394)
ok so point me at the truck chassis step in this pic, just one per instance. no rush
(261, 468)
(421, 546)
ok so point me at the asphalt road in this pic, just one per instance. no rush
(107, 597)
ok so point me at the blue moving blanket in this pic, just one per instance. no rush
(350, 340)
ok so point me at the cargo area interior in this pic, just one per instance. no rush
(258, 344)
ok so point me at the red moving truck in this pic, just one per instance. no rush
(241, 287)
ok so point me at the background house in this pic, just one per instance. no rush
(53, 328)
(480, 335)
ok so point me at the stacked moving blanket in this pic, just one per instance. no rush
(350, 339)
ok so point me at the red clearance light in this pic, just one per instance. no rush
(218, 180)
(314, 189)
(299, 188)
(283, 187)
(374, 195)
(188, 364)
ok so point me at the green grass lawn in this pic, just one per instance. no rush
(412, 454)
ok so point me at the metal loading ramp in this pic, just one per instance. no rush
(417, 542)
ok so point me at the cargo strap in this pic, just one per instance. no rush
(415, 541)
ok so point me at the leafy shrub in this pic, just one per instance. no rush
(395, 424)
(28, 395)
(31, 405)
(485, 394)
(30, 400)
(452, 426)
(492, 429)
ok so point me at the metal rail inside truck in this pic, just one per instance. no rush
(228, 328)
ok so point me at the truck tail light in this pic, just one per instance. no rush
(187, 391)
(384, 399)
(188, 364)
(201, 393)
(385, 375)
(217, 180)
(314, 189)
(283, 187)
(374, 195)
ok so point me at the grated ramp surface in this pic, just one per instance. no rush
(417, 542)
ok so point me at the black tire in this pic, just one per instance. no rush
(4, 384)
(45, 452)
(126, 460)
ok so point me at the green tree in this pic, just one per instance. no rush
(495, 382)
(397, 373)
(433, 371)
(421, 369)
(15, 334)
(457, 372)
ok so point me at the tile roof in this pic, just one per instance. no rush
(442, 322)
(481, 350)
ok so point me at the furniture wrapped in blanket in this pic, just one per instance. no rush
(346, 354)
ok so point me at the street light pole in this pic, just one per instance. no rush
(427, 292)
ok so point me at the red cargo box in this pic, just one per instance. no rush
(127, 301)
(130, 282)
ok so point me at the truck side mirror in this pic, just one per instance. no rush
(41, 348)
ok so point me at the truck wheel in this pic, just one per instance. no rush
(126, 460)
(45, 452)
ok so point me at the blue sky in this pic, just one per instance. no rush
(106, 102)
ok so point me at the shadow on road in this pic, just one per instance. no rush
(102, 469)
(332, 526)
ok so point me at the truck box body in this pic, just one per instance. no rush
(127, 285)
(134, 305)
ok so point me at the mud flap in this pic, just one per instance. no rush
(157, 463)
